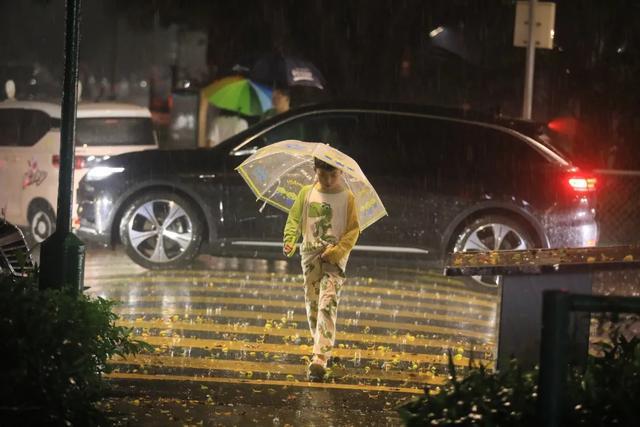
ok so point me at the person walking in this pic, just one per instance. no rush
(325, 215)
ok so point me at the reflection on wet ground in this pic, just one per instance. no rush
(243, 321)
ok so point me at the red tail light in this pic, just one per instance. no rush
(582, 183)
(80, 163)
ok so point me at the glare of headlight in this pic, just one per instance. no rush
(101, 172)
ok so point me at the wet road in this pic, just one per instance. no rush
(232, 343)
(243, 321)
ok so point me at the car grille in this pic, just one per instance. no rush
(15, 258)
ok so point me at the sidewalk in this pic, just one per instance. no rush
(174, 403)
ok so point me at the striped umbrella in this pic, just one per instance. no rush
(239, 94)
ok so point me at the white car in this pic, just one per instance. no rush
(30, 147)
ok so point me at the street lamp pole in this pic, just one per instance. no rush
(62, 254)
(530, 66)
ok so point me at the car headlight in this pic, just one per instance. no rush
(101, 172)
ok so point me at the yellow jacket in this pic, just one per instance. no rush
(346, 242)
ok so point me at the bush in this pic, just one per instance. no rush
(56, 345)
(605, 393)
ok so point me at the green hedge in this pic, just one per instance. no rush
(605, 393)
(55, 346)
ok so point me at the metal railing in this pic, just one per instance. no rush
(618, 206)
(556, 309)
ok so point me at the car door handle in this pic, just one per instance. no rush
(207, 177)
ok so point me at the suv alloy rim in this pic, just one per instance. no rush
(493, 237)
(160, 230)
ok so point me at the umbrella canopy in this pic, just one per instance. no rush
(239, 94)
(277, 173)
(280, 70)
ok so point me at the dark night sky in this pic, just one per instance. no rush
(360, 45)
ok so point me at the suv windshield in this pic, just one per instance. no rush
(115, 131)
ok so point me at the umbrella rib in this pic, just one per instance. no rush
(277, 180)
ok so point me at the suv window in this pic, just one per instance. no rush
(331, 128)
(35, 125)
(404, 145)
(442, 150)
(22, 128)
(9, 127)
(114, 131)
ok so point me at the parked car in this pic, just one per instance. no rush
(30, 147)
(450, 180)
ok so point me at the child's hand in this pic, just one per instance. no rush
(326, 251)
(287, 249)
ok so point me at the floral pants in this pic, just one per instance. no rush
(322, 285)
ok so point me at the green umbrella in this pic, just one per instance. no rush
(239, 94)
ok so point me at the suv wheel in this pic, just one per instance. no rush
(493, 233)
(42, 222)
(161, 230)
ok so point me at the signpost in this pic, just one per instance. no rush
(540, 35)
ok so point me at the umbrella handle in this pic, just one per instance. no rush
(262, 207)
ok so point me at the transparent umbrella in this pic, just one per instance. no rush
(276, 174)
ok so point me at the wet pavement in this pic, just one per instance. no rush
(232, 343)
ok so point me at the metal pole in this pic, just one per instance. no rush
(62, 254)
(68, 119)
(553, 357)
(530, 65)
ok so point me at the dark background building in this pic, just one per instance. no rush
(140, 50)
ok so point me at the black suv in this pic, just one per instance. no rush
(450, 180)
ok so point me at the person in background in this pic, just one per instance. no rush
(281, 100)
(224, 126)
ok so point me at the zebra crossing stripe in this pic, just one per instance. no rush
(344, 309)
(272, 367)
(305, 350)
(477, 297)
(401, 339)
(282, 383)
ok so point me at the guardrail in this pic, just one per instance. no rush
(525, 275)
(556, 309)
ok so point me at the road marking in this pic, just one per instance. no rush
(430, 280)
(344, 301)
(361, 322)
(345, 308)
(430, 275)
(174, 300)
(272, 367)
(484, 300)
(305, 350)
(296, 280)
(281, 383)
(402, 339)
(290, 281)
(252, 314)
